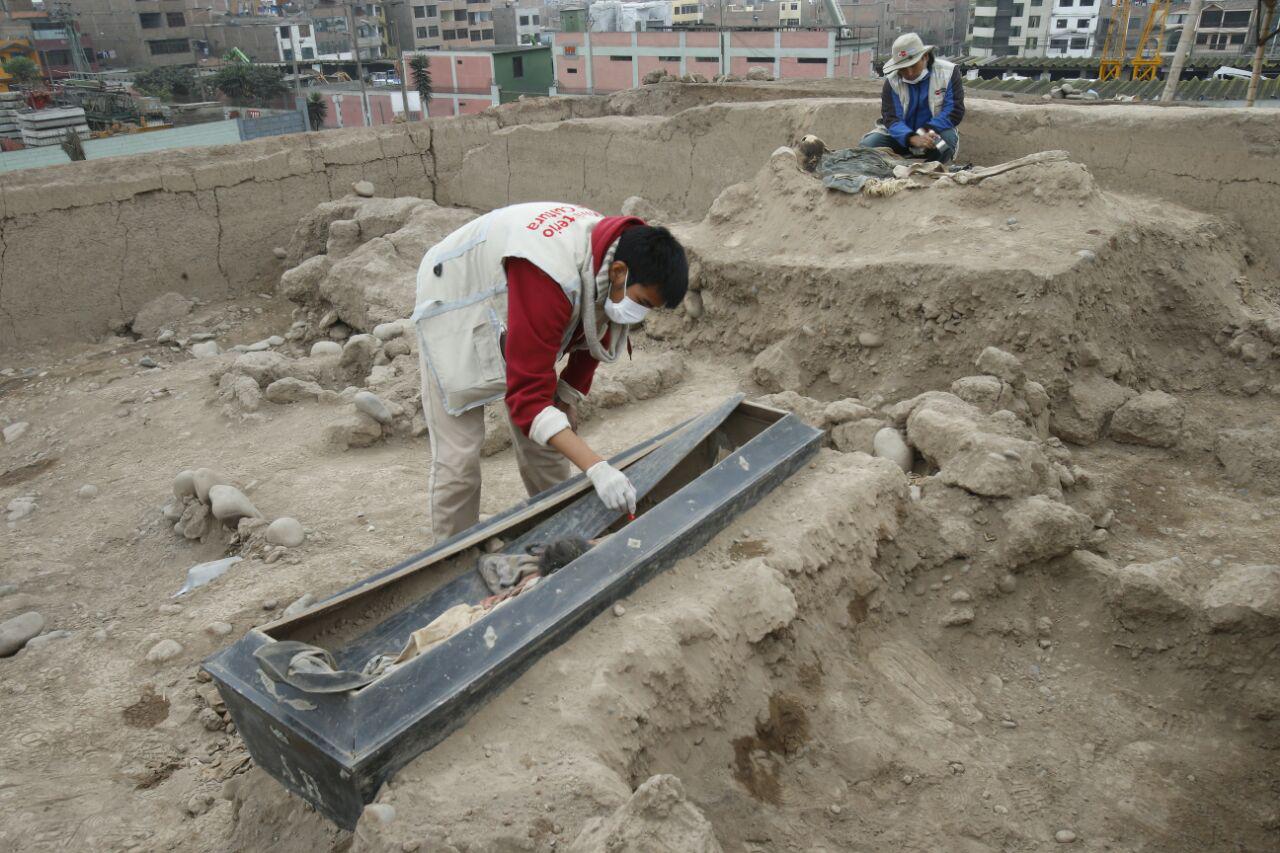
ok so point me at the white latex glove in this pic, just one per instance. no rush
(613, 487)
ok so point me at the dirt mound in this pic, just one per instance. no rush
(843, 294)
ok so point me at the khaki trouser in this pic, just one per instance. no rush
(453, 491)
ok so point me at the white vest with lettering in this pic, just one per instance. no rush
(939, 82)
(461, 308)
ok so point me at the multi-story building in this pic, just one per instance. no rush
(51, 41)
(599, 63)
(1006, 28)
(938, 22)
(1073, 28)
(137, 33)
(330, 25)
(790, 13)
(417, 25)
(261, 38)
(686, 13)
(516, 24)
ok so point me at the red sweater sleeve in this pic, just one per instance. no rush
(537, 314)
(581, 368)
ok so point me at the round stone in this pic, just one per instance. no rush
(285, 531)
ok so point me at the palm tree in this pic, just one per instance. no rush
(317, 109)
(72, 145)
(422, 81)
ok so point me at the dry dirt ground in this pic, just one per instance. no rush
(1019, 644)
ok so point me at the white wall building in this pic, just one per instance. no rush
(300, 37)
(1073, 28)
(1005, 28)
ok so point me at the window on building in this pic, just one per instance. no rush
(706, 59)
(571, 71)
(57, 58)
(288, 54)
(476, 35)
(812, 60)
(1037, 2)
(537, 20)
(1086, 3)
(487, 35)
(419, 11)
(149, 21)
(668, 59)
(433, 32)
(1237, 19)
(616, 58)
(421, 32)
(459, 14)
(1060, 24)
(433, 11)
(308, 53)
(304, 31)
(1066, 4)
(175, 19)
(1033, 21)
(1211, 18)
(1238, 38)
(1201, 38)
(517, 66)
(760, 60)
(524, 20)
(162, 47)
(284, 33)
(1082, 23)
(1032, 42)
(1079, 43)
(1057, 44)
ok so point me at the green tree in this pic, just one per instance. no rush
(317, 109)
(22, 70)
(421, 81)
(167, 83)
(255, 83)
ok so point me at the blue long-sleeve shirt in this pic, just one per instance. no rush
(902, 123)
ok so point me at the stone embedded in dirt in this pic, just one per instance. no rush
(218, 629)
(194, 522)
(205, 349)
(148, 362)
(326, 348)
(982, 392)
(280, 252)
(358, 353)
(843, 411)
(285, 531)
(1251, 457)
(37, 643)
(292, 390)
(1007, 583)
(15, 431)
(15, 632)
(1064, 836)
(298, 605)
(20, 507)
(777, 368)
(1002, 365)
(889, 444)
(211, 720)
(657, 816)
(163, 312)
(388, 331)
(1244, 598)
(619, 610)
(694, 306)
(857, 436)
(1153, 418)
(870, 340)
(202, 480)
(355, 429)
(809, 410)
(230, 504)
(87, 492)
(1081, 418)
(339, 332)
(957, 616)
(372, 405)
(165, 650)
(1038, 528)
(241, 391)
(184, 484)
(396, 347)
(364, 189)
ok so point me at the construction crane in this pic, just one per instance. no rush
(1147, 58)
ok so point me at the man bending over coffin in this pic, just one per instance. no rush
(499, 302)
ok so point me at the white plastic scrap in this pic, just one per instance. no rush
(199, 575)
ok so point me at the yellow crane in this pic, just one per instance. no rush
(1147, 59)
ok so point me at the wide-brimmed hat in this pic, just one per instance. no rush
(907, 48)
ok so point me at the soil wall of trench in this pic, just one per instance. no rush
(86, 244)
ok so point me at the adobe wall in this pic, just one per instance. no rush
(84, 243)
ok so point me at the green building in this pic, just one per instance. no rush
(522, 70)
(573, 20)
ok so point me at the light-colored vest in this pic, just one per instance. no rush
(461, 309)
(939, 80)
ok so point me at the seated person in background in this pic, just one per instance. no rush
(921, 104)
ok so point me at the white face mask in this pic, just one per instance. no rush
(628, 312)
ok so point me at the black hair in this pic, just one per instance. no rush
(654, 256)
(559, 553)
